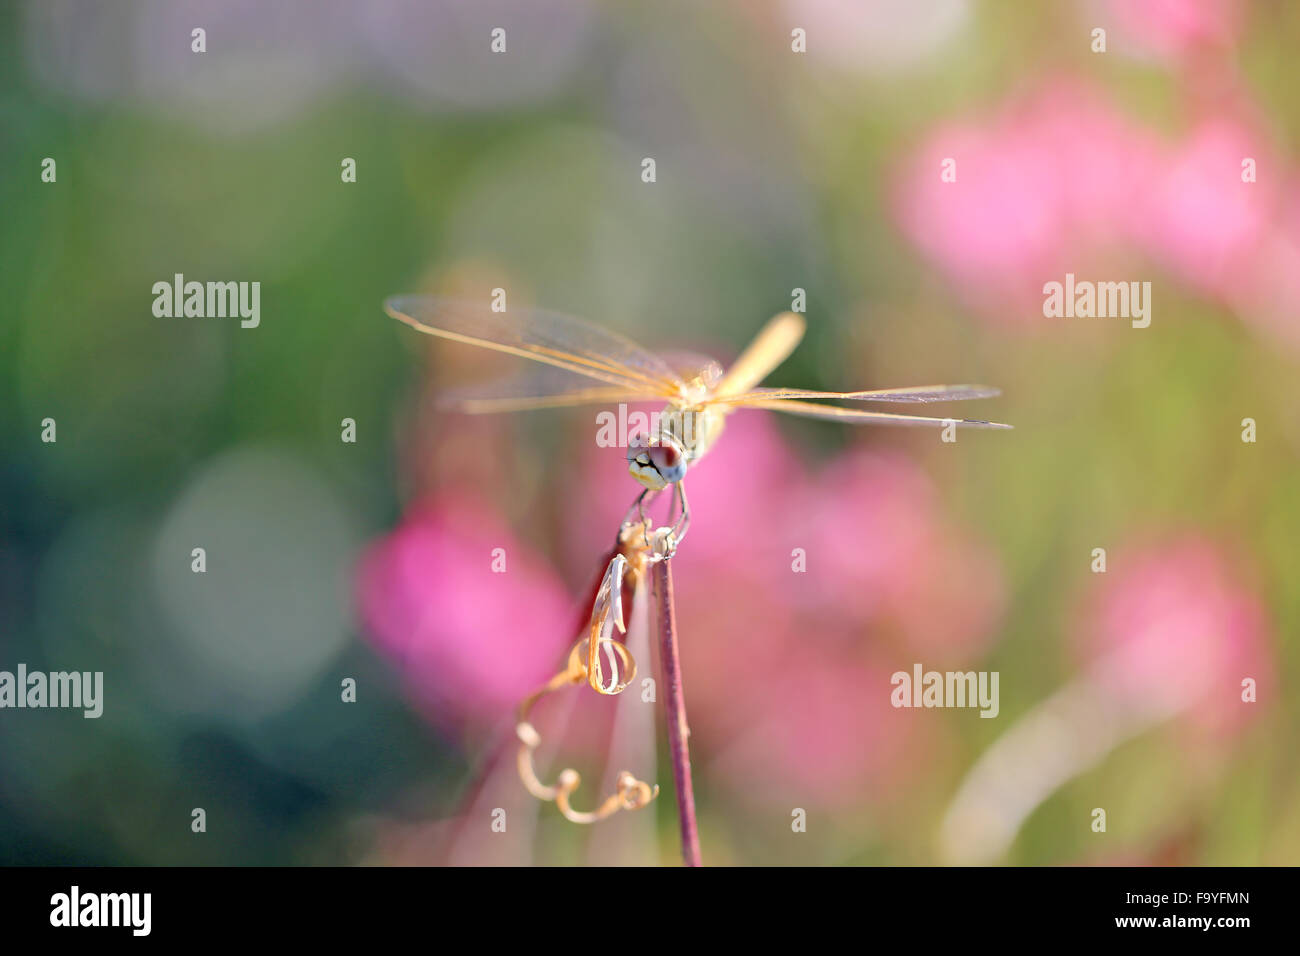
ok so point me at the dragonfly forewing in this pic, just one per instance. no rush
(548, 337)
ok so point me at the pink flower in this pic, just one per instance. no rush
(821, 732)
(880, 549)
(1034, 188)
(1172, 28)
(1060, 182)
(1200, 219)
(1173, 630)
(470, 641)
(1268, 295)
(1170, 633)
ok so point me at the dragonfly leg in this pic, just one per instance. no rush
(638, 509)
(637, 506)
(684, 522)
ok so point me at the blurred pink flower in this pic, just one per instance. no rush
(1173, 630)
(1268, 293)
(1059, 182)
(820, 731)
(1034, 185)
(1199, 218)
(1169, 633)
(1171, 28)
(881, 550)
(469, 642)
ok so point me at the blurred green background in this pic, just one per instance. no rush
(775, 171)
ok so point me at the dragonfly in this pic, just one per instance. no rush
(581, 363)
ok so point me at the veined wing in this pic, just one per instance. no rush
(692, 367)
(548, 337)
(917, 393)
(772, 346)
(536, 387)
(855, 416)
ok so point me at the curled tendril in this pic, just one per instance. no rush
(607, 612)
(638, 545)
(630, 793)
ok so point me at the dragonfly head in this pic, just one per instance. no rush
(656, 461)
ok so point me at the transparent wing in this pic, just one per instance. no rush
(917, 393)
(539, 386)
(772, 346)
(692, 366)
(549, 337)
(854, 416)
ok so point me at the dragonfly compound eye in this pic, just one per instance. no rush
(665, 457)
(656, 463)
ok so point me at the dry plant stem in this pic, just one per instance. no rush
(675, 705)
